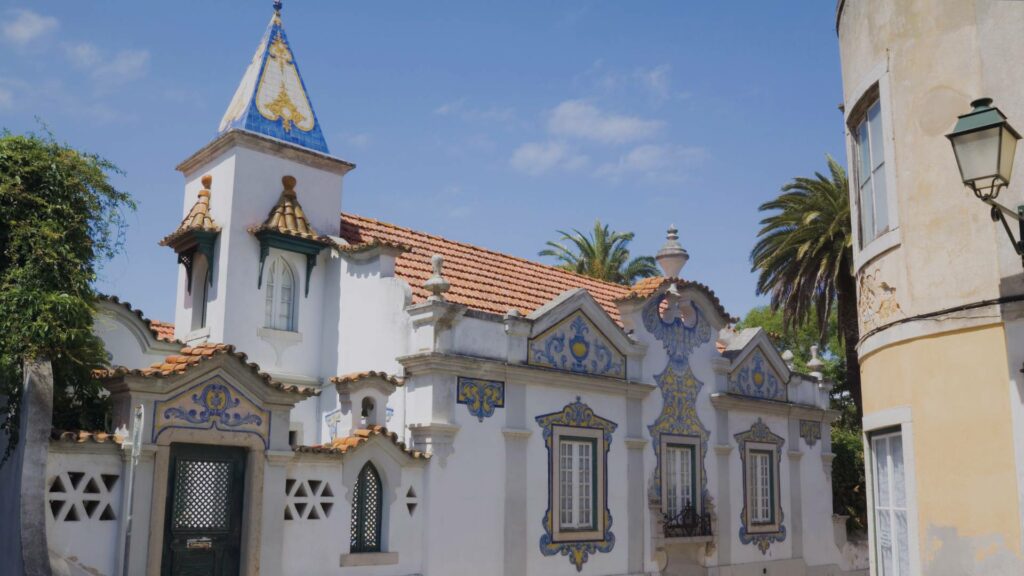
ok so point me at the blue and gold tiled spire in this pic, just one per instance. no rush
(272, 99)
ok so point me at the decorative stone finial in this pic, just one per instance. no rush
(514, 313)
(436, 284)
(815, 364)
(672, 256)
(207, 180)
(277, 5)
(289, 185)
(787, 357)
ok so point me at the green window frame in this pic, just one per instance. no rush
(578, 441)
(367, 511)
(754, 479)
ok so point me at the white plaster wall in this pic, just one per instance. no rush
(465, 507)
(314, 547)
(816, 491)
(87, 544)
(481, 338)
(125, 346)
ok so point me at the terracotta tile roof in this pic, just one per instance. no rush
(481, 279)
(163, 331)
(287, 217)
(82, 436)
(190, 356)
(357, 376)
(198, 219)
(644, 288)
(343, 445)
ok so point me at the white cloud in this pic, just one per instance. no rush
(83, 55)
(536, 158)
(24, 26)
(107, 71)
(459, 108)
(660, 163)
(6, 99)
(580, 119)
(657, 80)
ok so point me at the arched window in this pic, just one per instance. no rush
(366, 511)
(280, 298)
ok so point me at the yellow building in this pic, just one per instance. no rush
(939, 285)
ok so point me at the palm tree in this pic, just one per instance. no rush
(804, 256)
(603, 255)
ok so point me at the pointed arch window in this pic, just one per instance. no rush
(279, 310)
(366, 511)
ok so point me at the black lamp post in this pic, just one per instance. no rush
(984, 144)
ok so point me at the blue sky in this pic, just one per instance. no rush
(494, 125)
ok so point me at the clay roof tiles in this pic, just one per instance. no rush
(357, 376)
(163, 331)
(83, 436)
(288, 218)
(190, 356)
(648, 286)
(343, 445)
(481, 279)
(198, 219)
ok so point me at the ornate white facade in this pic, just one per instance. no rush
(483, 415)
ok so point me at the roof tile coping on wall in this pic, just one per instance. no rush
(82, 436)
(198, 219)
(190, 356)
(648, 286)
(162, 331)
(343, 445)
(357, 376)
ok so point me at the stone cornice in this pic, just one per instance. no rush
(491, 369)
(725, 401)
(267, 145)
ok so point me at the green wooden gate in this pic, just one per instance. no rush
(203, 527)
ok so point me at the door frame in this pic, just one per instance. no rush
(252, 502)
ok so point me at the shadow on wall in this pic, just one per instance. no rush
(947, 553)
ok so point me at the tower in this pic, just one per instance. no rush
(262, 203)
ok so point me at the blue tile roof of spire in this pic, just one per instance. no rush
(272, 98)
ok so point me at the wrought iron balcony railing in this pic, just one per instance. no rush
(687, 523)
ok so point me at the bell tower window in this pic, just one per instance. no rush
(279, 309)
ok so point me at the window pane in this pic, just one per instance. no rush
(565, 485)
(875, 132)
(672, 480)
(686, 474)
(881, 200)
(884, 531)
(902, 547)
(863, 154)
(585, 484)
(882, 470)
(284, 311)
(899, 498)
(867, 213)
(268, 316)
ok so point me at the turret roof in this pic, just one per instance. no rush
(272, 98)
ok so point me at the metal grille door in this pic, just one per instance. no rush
(204, 511)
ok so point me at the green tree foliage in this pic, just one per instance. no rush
(804, 257)
(59, 216)
(604, 255)
(848, 488)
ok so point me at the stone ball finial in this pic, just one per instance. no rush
(436, 284)
(207, 180)
(787, 357)
(672, 256)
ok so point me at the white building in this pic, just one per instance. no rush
(396, 414)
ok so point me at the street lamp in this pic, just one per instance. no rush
(984, 144)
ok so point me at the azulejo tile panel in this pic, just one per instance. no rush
(579, 415)
(576, 345)
(756, 379)
(678, 385)
(810, 431)
(481, 397)
(760, 433)
(212, 404)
